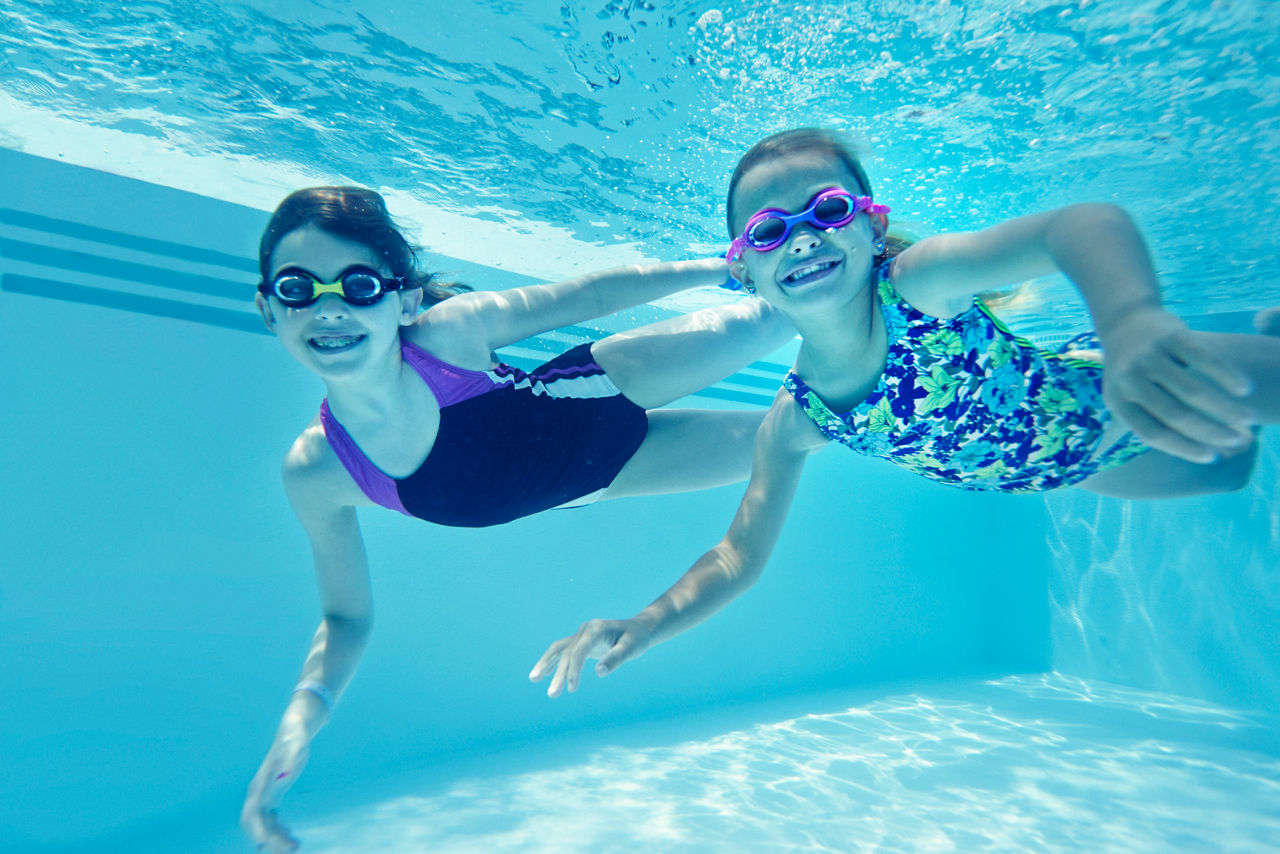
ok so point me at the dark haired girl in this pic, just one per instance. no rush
(420, 417)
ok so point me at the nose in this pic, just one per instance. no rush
(330, 307)
(803, 239)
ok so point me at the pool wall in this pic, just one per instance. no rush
(157, 598)
(1179, 596)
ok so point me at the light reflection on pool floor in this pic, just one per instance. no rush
(1040, 763)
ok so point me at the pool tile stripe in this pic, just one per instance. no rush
(128, 271)
(241, 321)
(124, 240)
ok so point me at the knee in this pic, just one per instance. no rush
(1232, 473)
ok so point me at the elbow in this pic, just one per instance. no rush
(351, 627)
(1090, 215)
(743, 568)
(1082, 227)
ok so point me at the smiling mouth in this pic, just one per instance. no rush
(334, 343)
(809, 272)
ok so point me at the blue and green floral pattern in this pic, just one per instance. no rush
(964, 401)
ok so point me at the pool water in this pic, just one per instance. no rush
(920, 669)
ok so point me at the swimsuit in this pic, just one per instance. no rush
(964, 401)
(510, 444)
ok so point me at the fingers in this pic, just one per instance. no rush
(1194, 377)
(1183, 399)
(548, 660)
(1156, 435)
(1188, 349)
(569, 654)
(612, 641)
(569, 670)
(1190, 422)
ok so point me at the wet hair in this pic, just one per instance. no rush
(359, 215)
(818, 141)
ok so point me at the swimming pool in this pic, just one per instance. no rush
(1062, 674)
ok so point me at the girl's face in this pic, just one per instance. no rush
(814, 269)
(330, 336)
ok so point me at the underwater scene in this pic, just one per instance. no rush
(917, 667)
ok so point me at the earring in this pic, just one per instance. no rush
(878, 246)
(751, 289)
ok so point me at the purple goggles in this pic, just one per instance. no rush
(770, 228)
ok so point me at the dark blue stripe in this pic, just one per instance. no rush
(128, 271)
(739, 396)
(526, 364)
(154, 306)
(79, 231)
(770, 383)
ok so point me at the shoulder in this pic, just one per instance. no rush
(454, 331)
(314, 478)
(921, 278)
(788, 429)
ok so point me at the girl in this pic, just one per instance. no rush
(421, 418)
(900, 361)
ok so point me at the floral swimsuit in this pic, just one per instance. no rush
(964, 401)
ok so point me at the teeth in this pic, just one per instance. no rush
(809, 270)
(334, 343)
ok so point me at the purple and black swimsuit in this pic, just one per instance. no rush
(510, 444)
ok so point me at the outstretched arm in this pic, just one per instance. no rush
(1171, 389)
(494, 319)
(785, 440)
(342, 574)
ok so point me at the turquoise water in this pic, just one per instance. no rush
(920, 669)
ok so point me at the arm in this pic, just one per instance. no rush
(1174, 392)
(493, 319)
(785, 440)
(342, 574)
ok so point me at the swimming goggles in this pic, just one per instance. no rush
(770, 228)
(357, 285)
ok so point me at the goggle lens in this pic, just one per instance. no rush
(357, 286)
(834, 210)
(294, 288)
(767, 232)
(361, 286)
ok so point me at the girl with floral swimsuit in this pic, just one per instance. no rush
(899, 360)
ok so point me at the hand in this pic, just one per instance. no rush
(284, 762)
(612, 641)
(1174, 391)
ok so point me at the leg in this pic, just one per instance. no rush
(665, 361)
(1259, 357)
(688, 449)
(1159, 475)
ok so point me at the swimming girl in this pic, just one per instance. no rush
(900, 361)
(422, 419)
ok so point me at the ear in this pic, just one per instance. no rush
(410, 303)
(738, 271)
(879, 226)
(264, 309)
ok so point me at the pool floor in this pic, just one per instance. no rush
(1039, 762)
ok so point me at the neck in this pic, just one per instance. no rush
(832, 340)
(370, 394)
